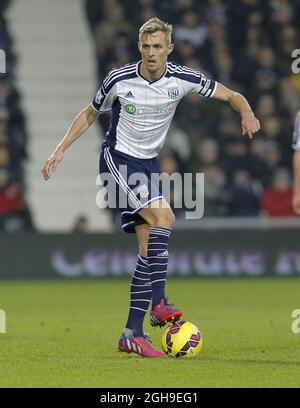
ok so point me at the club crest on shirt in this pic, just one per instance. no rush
(173, 93)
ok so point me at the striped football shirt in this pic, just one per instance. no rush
(142, 110)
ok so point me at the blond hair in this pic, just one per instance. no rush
(155, 24)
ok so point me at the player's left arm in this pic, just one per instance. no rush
(250, 124)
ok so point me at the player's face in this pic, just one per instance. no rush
(155, 50)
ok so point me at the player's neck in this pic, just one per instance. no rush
(151, 76)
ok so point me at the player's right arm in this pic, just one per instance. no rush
(79, 125)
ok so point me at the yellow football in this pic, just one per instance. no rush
(182, 339)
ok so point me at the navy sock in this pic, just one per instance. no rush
(140, 297)
(158, 257)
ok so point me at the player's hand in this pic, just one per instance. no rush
(296, 203)
(52, 163)
(250, 124)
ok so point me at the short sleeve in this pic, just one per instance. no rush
(296, 133)
(105, 98)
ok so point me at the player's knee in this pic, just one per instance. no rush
(143, 249)
(164, 218)
(170, 218)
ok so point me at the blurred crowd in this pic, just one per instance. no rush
(14, 213)
(246, 45)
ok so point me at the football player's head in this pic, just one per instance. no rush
(155, 43)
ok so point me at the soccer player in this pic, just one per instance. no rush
(143, 97)
(296, 164)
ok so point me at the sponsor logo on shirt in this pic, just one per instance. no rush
(130, 108)
(145, 111)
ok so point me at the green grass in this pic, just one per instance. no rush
(64, 334)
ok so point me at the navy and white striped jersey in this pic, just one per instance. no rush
(296, 133)
(142, 110)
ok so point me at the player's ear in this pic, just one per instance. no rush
(139, 46)
(170, 48)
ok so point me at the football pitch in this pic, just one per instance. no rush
(65, 333)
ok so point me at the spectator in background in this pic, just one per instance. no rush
(281, 12)
(227, 129)
(289, 97)
(287, 41)
(217, 11)
(276, 201)
(272, 128)
(191, 30)
(257, 159)
(178, 142)
(168, 166)
(266, 105)
(81, 225)
(184, 51)
(183, 6)
(4, 156)
(208, 153)
(224, 68)
(14, 214)
(267, 67)
(147, 13)
(236, 156)
(215, 195)
(273, 160)
(243, 195)
(108, 31)
(3, 133)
